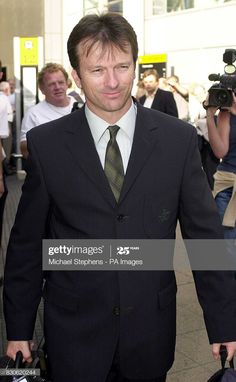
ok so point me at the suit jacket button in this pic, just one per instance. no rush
(116, 310)
(120, 217)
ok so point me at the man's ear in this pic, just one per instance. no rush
(76, 78)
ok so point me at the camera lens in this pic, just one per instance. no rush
(222, 97)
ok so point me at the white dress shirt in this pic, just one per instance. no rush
(149, 101)
(124, 137)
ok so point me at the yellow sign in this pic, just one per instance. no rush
(152, 58)
(28, 51)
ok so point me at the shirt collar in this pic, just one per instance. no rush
(98, 126)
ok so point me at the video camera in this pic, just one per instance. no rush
(220, 94)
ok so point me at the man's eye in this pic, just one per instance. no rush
(98, 70)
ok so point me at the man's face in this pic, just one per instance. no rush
(7, 90)
(54, 88)
(150, 83)
(106, 77)
(12, 85)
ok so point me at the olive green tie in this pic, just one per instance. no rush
(113, 168)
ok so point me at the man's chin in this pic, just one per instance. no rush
(116, 104)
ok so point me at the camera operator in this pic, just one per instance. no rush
(222, 138)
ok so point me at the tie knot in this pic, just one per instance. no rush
(113, 131)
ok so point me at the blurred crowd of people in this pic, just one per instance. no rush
(216, 135)
(7, 89)
(185, 102)
(5, 116)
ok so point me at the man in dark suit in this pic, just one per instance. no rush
(89, 179)
(155, 97)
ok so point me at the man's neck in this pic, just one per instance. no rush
(62, 103)
(110, 117)
(152, 93)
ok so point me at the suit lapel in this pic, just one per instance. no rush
(79, 142)
(145, 139)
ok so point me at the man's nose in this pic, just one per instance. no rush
(57, 85)
(111, 79)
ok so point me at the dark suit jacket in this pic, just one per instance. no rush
(163, 101)
(66, 195)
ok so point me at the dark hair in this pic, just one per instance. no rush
(108, 28)
(0, 65)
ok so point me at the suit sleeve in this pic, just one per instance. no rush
(23, 271)
(199, 219)
(198, 215)
(171, 107)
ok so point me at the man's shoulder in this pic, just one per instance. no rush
(4, 100)
(142, 99)
(72, 100)
(56, 126)
(36, 109)
(164, 93)
(166, 123)
(160, 117)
